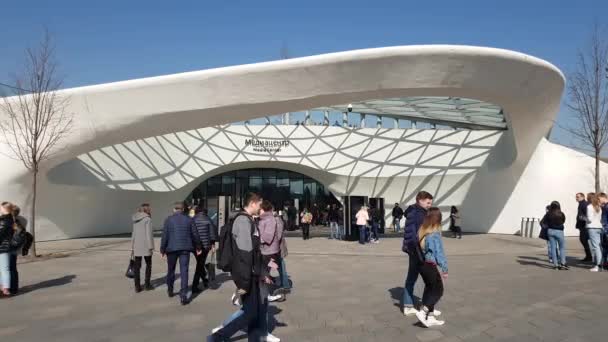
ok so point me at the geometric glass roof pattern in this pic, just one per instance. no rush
(453, 111)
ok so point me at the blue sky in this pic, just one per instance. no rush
(100, 42)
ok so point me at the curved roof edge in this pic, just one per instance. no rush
(361, 54)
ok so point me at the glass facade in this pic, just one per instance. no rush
(276, 185)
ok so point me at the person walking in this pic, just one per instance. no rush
(17, 243)
(292, 216)
(604, 203)
(271, 234)
(554, 220)
(397, 215)
(6, 235)
(581, 225)
(142, 246)
(455, 220)
(178, 241)
(248, 273)
(306, 218)
(414, 216)
(433, 257)
(362, 217)
(594, 230)
(333, 223)
(376, 218)
(207, 235)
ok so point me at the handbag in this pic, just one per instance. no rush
(130, 272)
(543, 233)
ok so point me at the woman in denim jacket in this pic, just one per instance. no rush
(433, 258)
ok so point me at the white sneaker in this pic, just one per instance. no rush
(376, 241)
(236, 300)
(436, 313)
(595, 269)
(421, 315)
(409, 311)
(431, 321)
(272, 298)
(271, 338)
(216, 329)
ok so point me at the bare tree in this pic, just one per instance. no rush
(34, 118)
(588, 97)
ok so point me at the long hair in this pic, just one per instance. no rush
(594, 201)
(431, 224)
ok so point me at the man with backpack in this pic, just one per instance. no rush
(414, 216)
(240, 253)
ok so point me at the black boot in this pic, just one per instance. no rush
(148, 287)
(170, 293)
(184, 300)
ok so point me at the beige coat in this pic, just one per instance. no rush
(142, 238)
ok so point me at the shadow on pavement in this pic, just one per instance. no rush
(397, 296)
(543, 262)
(47, 283)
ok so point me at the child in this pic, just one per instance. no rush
(432, 256)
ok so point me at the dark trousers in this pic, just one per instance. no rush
(457, 231)
(251, 317)
(200, 272)
(375, 228)
(184, 261)
(583, 237)
(137, 268)
(306, 231)
(433, 285)
(14, 273)
(362, 234)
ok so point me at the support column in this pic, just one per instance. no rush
(362, 123)
(396, 123)
(379, 122)
(345, 119)
(307, 118)
(326, 118)
(413, 124)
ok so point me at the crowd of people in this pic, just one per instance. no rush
(592, 223)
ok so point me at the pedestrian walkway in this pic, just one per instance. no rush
(500, 288)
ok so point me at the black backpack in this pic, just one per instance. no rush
(29, 240)
(227, 246)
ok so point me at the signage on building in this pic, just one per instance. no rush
(266, 145)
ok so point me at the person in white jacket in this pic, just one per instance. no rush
(594, 227)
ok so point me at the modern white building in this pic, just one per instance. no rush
(468, 124)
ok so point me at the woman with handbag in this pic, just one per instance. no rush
(554, 221)
(6, 235)
(142, 246)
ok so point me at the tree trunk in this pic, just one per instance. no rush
(33, 212)
(597, 171)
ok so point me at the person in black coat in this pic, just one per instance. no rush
(581, 225)
(179, 239)
(397, 215)
(207, 235)
(6, 235)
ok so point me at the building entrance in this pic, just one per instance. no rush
(276, 185)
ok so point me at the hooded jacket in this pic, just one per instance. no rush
(142, 238)
(414, 215)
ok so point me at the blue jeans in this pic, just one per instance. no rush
(5, 271)
(375, 228)
(397, 223)
(251, 317)
(284, 277)
(334, 230)
(413, 271)
(362, 237)
(184, 261)
(556, 240)
(595, 243)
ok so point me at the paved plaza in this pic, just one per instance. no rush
(500, 288)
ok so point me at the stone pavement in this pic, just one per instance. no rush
(499, 289)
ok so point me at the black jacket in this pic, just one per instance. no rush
(581, 214)
(247, 261)
(554, 220)
(397, 212)
(334, 215)
(207, 231)
(6, 233)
